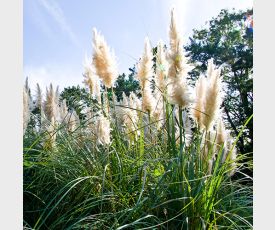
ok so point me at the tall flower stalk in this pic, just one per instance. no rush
(179, 91)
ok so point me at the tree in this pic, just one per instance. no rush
(230, 44)
(77, 98)
(126, 84)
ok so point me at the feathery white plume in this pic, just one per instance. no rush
(104, 60)
(51, 104)
(161, 68)
(26, 109)
(178, 90)
(91, 80)
(103, 130)
(213, 96)
(199, 101)
(145, 65)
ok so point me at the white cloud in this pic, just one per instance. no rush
(58, 76)
(57, 13)
(35, 14)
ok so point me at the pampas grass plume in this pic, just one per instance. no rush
(161, 68)
(144, 67)
(26, 109)
(38, 101)
(103, 130)
(213, 98)
(91, 80)
(199, 101)
(51, 103)
(104, 60)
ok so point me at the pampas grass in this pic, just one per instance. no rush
(50, 105)
(104, 60)
(91, 80)
(178, 89)
(213, 96)
(144, 74)
(154, 162)
(145, 65)
(199, 101)
(26, 109)
(161, 68)
(38, 101)
(103, 130)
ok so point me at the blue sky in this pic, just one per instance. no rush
(58, 33)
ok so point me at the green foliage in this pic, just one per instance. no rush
(226, 40)
(147, 184)
(77, 98)
(154, 180)
(126, 84)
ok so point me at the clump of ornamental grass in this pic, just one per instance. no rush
(119, 167)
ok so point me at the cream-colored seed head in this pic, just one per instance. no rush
(91, 80)
(174, 33)
(125, 101)
(134, 101)
(213, 99)
(178, 62)
(50, 104)
(148, 99)
(178, 89)
(26, 109)
(104, 60)
(144, 67)
(129, 118)
(221, 133)
(27, 88)
(232, 152)
(103, 130)
(38, 101)
(180, 93)
(161, 68)
(199, 101)
(144, 74)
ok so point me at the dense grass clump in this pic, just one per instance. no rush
(143, 185)
(162, 161)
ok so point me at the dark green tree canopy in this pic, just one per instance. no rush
(126, 84)
(77, 98)
(226, 39)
